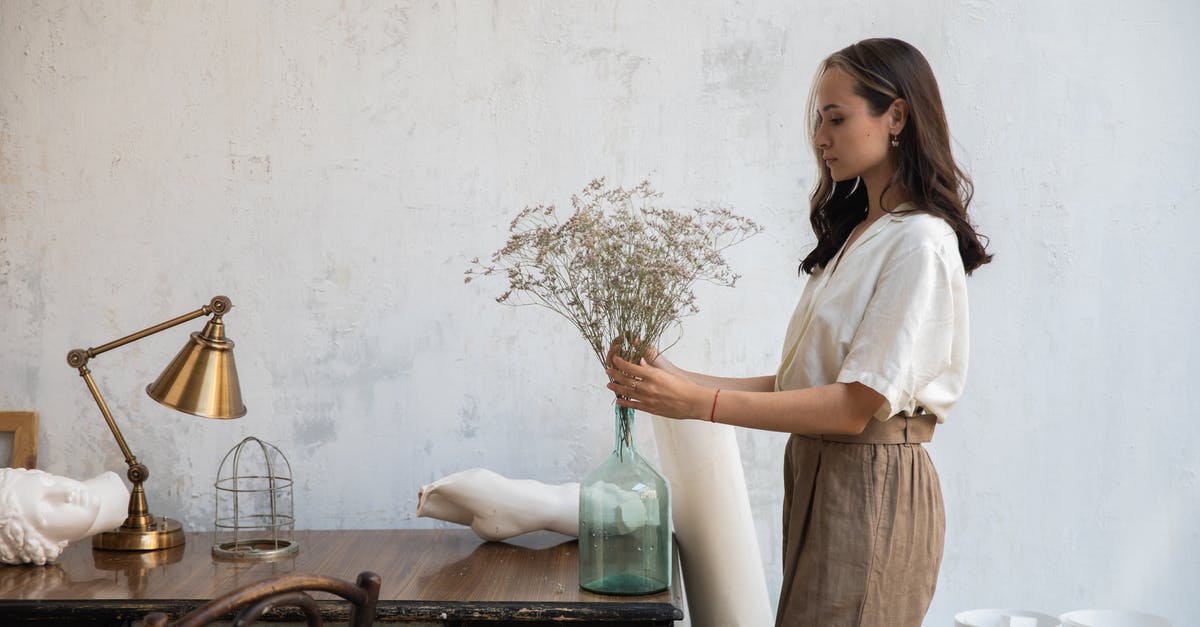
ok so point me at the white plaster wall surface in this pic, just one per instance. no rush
(333, 167)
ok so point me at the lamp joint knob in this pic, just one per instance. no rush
(77, 358)
(138, 473)
(220, 305)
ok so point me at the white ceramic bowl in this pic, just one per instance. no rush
(1004, 618)
(1112, 618)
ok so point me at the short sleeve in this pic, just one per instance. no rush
(906, 336)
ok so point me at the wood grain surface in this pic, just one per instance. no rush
(433, 575)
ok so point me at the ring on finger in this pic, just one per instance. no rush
(635, 384)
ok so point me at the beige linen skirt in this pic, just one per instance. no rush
(863, 527)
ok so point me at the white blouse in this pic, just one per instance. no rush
(889, 312)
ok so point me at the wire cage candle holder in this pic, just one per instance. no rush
(253, 514)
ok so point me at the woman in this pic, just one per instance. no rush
(875, 354)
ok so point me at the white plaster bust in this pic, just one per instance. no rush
(40, 513)
(497, 508)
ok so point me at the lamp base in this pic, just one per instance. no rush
(160, 533)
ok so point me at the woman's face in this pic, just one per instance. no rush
(851, 141)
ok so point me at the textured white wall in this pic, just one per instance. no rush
(333, 167)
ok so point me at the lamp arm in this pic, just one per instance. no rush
(219, 305)
(79, 357)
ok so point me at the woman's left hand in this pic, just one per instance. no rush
(654, 390)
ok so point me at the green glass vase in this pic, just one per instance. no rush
(624, 521)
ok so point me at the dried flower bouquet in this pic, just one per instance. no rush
(618, 266)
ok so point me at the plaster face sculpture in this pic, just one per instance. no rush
(497, 508)
(40, 513)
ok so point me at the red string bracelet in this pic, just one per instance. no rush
(712, 415)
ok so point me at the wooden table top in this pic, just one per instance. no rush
(427, 574)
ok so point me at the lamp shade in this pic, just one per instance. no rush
(202, 379)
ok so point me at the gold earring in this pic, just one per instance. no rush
(895, 141)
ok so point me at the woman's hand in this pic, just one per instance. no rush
(654, 390)
(653, 357)
(650, 356)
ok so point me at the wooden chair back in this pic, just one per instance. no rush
(253, 600)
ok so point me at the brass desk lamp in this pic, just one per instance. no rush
(201, 380)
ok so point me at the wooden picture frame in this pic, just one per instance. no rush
(24, 426)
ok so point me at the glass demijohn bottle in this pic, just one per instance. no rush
(624, 521)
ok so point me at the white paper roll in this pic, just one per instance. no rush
(722, 568)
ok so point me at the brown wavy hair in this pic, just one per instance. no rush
(885, 70)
